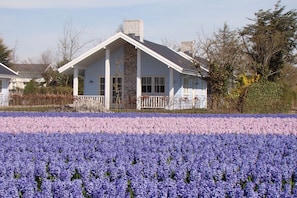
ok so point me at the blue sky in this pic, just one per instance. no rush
(33, 26)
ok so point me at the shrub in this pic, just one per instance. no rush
(56, 90)
(31, 87)
(266, 97)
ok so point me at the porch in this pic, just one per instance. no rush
(147, 102)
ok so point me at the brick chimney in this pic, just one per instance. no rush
(134, 28)
(187, 47)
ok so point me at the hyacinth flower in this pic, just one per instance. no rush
(82, 163)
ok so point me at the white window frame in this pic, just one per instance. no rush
(154, 85)
(146, 84)
(100, 91)
(159, 84)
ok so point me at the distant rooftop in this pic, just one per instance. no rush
(30, 70)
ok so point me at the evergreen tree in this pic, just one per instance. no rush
(5, 54)
(271, 40)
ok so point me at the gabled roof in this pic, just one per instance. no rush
(162, 53)
(33, 71)
(6, 72)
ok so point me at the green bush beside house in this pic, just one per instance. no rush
(267, 97)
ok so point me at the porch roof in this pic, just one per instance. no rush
(162, 53)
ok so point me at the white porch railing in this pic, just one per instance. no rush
(165, 102)
(94, 98)
(153, 102)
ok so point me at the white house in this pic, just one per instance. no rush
(6, 74)
(126, 71)
(26, 73)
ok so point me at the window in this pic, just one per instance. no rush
(0, 85)
(101, 86)
(146, 84)
(159, 84)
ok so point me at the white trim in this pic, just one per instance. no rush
(107, 79)
(171, 83)
(100, 84)
(138, 79)
(132, 41)
(186, 56)
(75, 81)
(9, 70)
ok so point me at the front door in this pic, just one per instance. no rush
(117, 85)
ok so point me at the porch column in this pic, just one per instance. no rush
(171, 88)
(107, 79)
(138, 80)
(75, 81)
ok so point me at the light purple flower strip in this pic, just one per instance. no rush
(149, 125)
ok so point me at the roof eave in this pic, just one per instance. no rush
(128, 39)
(102, 45)
(12, 71)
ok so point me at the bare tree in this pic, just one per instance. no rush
(72, 42)
(224, 52)
(171, 44)
(46, 57)
(14, 56)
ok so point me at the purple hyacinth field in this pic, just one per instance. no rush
(147, 155)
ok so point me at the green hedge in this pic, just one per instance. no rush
(266, 97)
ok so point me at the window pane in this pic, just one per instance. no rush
(162, 89)
(143, 80)
(146, 84)
(143, 88)
(161, 80)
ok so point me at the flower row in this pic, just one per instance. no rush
(149, 125)
(126, 165)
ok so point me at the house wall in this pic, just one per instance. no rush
(91, 80)
(151, 67)
(195, 96)
(4, 92)
(126, 66)
(97, 69)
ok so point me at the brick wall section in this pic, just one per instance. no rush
(130, 72)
